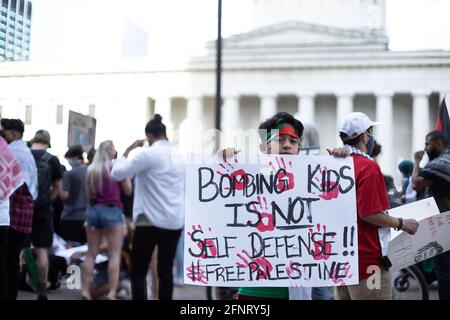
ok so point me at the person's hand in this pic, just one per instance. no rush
(227, 153)
(338, 152)
(410, 226)
(403, 198)
(418, 156)
(134, 145)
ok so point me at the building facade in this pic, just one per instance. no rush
(318, 71)
(15, 28)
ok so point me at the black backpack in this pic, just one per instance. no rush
(44, 179)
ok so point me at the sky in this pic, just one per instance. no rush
(180, 28)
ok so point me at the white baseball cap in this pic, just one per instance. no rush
(355, 124)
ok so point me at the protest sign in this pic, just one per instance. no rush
(417, 210)
(282, 221)
(81, 130)
(432, 238)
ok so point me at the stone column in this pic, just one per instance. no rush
(306, 108)
(385, 132)
(191, 137)
(268, 107)
(344, 107)
(230, 120)
(421, 120)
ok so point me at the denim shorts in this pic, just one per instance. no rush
(103, 217)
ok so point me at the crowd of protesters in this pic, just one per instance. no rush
(112, 202)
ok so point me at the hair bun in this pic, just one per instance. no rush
(157, 118)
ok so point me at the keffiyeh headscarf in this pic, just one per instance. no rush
(353, 150)
(439, 169)
(10, 174)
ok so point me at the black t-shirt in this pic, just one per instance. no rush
(47, 174)
(55, 165)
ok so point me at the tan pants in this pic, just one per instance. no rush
(363, 291)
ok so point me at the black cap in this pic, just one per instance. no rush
(75, 151)
(41, 136)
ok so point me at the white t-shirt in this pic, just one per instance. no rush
(158, 185)
(4, 212)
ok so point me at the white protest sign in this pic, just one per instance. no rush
(282, 221)
(418, 210)
(431, 239)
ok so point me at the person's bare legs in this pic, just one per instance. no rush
(94, 237)
(114, 238)
(42, 266)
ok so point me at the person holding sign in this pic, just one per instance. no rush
(280, 134)
(371, 202)
(436, 175)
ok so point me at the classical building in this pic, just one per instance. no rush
(15, 27)
(316, 60)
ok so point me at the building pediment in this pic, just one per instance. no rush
(295, 34)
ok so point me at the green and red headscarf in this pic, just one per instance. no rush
(283, 128)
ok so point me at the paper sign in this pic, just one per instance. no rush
(432, 238)
(81, 130)
(282, 221)
(418, 210)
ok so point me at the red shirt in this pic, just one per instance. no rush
(371, 198)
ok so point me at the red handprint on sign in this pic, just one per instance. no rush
(196, 273)
(261, 265)
(238, 177)
(285, 179)
(266, 222)
(204, 245)
(341, 280)
(328, 185)
(322, 251)
(294, 274)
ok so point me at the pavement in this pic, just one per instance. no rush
(181, 292)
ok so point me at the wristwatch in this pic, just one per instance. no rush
(400, 225)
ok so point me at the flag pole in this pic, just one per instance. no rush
(218, 104)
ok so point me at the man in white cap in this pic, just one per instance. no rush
(371, 202)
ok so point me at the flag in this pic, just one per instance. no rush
(443, 119)
(11, 176)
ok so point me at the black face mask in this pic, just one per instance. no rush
(370, 145)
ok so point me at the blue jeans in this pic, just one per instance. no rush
(103, 217)
(322, 293)
(442, 271)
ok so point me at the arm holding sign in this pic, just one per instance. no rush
(383, 220)
(338, 152)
